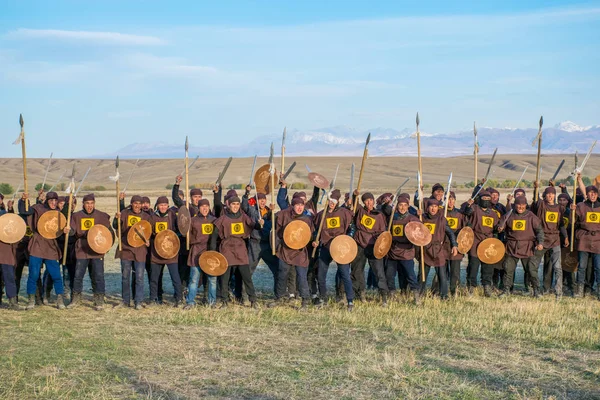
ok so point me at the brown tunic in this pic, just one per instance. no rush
(290, 256)
(128, 219)
(435, 255)
(8, 253)
(81, 223)
(483, 223)
(200, 230)
(588, 227)
(232, 232)
(456, 221)
(159, 224)
(402, 249)
(336, 224)
(368, 226)
(47, 249)
(551, 217)
(521, 237)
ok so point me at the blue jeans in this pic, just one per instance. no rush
(404, 268)
(126, 267)
(583, 262)
(193, 286)
(53, 267)
(8, 276)
(343, 269)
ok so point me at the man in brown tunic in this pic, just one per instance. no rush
(132, 259)
(370, 223)
(524, 235)
(402, 253)
(455, 222)
(81, 222)
(550, 214)
(337, 222)
(233, 228)
(587, 223)
(8, 261)
(290, 258)
(484, 221)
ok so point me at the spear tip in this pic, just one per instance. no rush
(541, 121)
(21, 122)
(369, 138)
(187, 144)
(418, 120)
(117, 162)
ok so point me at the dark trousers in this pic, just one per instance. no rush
(258, 250)
(8, 277)
(282, 280)
(312, 274)
(406, 271)
(454, 273)
(487, 272)
(552, 269)
(357, 272)
(529, 264)
(156, 272)
(97, 275)
(182, 267)
(442, 275)
(146, 265)
(246, 275)
(324, 260)
(127, 267)
(584, 256)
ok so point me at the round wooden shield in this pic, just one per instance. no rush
(166, 244)
(343, 249)
(12, 228)
(100, 239)
(597, 181)
(465, 240)
(318, 180)
(570, 261)
(296, 235)
(262, 179)
(51, 224)
(383, 244)
(491, 251)
(417, 233)
(133, 239)
(213, 263)
(184, 220)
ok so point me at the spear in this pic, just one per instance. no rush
(187, 189)
(82, 180)
(475, 152)
(423, 277)
(272, 172)
(351, 181)
(57, 181)
(21, 140)
(222, 174)
(17, 192)
(191, 165)
(578, 170)
(283, 149)
(538, 139)
(116, 180)
(252, 172)
(362, 169)
(47, 169)
(69, 212)
(447, 196)
(130, 175)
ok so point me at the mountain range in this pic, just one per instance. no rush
(565, 137)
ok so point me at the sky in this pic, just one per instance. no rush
(92, 77)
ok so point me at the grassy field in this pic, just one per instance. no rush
(469, 348)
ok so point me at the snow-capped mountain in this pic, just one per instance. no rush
(565, 137)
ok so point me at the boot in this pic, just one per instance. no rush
(98, 302)
(384, 300)
(304, 306)
(14, 305)
(417, 296)
(276, 303)
(536, 293)
(487, 291)
(46, 298)
(75, 299)
(138, 306)
(31, 303)
(505, 293)
(254, 305)
(60, 304)
(578, 291)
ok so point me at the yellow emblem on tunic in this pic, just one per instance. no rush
(497, 213)
(28, 232)
(87, 223)
(367, 222)
(161, 226)
(519, 225)
(430, 226)
(551, 216)
(333, 222)
(565, 221)
(237, 228)
(592, 217)
(487, 221)
(207, 229)
(132, 220)
(452, 223)
(397, 230)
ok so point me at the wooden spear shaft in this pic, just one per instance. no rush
(69, 213)
(187, 191)
(539, 153)
(423, 277)
(314, 252)
(273, 249)
(476, 153)
(573, 211)
(362, 169)
(24, 152)
(118, 205)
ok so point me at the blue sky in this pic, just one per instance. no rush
(91, 77)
